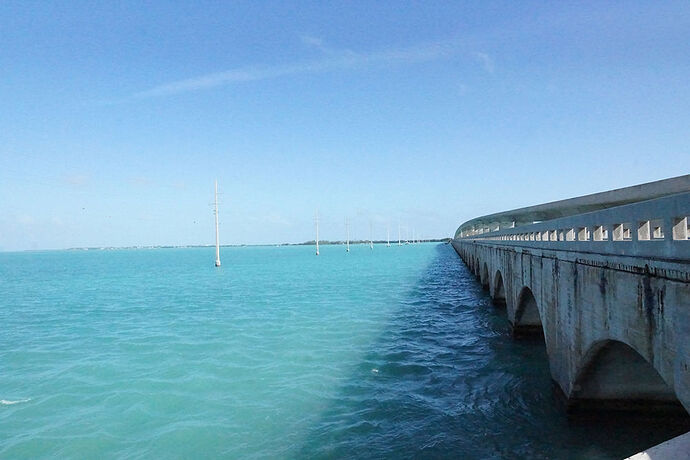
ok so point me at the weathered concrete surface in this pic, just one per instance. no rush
(606, 279)
(616, 328)
(674, 449)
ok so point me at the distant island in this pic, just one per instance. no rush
(312, 242)
(305, 243)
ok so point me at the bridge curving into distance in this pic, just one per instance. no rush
(606, 279)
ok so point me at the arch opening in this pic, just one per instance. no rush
(499, 296)
(616, 378)
(484, 276)
(527, 320)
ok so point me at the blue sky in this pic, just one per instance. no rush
(117, 116)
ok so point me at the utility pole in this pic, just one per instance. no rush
(371, 235)
(215, 211)
(347, 230)
(317, 231)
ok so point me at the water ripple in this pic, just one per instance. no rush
(391, 353)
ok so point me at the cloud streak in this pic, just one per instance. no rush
(486, 61)
(332, 60)
(77, 180)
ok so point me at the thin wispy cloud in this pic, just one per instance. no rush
(462, 89)
(486, 61)
(77, 180)
(312, 41)
(142, 181)
(332, 60)
(319, 44)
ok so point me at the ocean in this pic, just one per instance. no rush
(385, 353)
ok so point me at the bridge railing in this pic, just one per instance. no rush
(656, 229)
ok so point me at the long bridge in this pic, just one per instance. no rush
(606, 279)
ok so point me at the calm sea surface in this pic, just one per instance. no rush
(391, 353)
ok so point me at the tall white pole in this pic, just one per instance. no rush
(399, 243)
(371, 235)
(347, 229)
(317, 232)
(215, 211)
(388, 236)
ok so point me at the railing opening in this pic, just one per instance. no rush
(601, 233)
(680, 228)
(621, 232)
(643, 231)
(570, 235)
(583, 234)
(657, 228)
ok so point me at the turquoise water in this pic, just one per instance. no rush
(390, 353)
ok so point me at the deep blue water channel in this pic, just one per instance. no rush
(386, 353)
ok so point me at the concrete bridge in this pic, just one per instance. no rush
(606, 279)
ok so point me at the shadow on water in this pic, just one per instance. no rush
(445, 379)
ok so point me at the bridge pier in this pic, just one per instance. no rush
(612, 331)
(526, 321)
(498, 290)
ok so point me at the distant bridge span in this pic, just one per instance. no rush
(606, 278)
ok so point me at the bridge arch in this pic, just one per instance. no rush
(484, 276)
(616, 377)
(499, 292)
(527, 318)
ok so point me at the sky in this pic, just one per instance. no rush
(117, 117)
